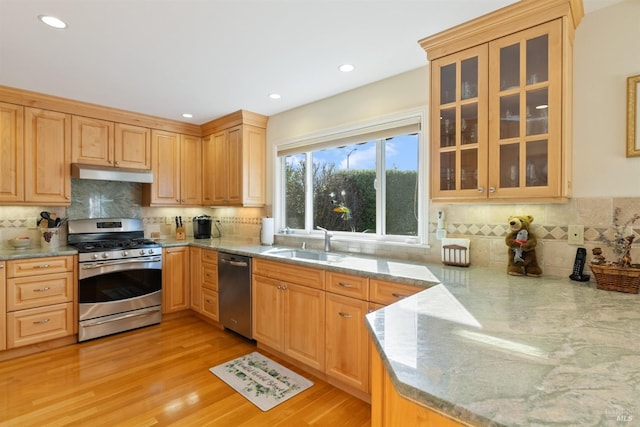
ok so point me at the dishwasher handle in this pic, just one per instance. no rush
(235, 263)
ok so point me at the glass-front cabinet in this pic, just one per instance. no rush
(459, 140)
(500, 110)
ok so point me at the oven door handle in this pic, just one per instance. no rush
(101, 264)
(123, 317)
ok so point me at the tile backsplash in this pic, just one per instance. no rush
(484, 224)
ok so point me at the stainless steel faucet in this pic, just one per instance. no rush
(327, 238)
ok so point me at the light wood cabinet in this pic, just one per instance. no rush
(385, 292)
(347, 341)
(501, 105)
(288, 315)
(3, 307)
(209, 283)
(389, 409)
(177, 170)
(12, 159)
(40, 299)
(195, 262)
(175, 279)
(104, 143)
(47, 144)
(234, 161)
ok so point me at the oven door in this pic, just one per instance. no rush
(109, 287)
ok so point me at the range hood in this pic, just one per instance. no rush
(80, 171)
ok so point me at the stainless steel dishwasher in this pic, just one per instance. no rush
(234, 292)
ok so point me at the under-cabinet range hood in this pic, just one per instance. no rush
(80, 171)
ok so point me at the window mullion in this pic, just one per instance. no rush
(380, 188)
(308, 194)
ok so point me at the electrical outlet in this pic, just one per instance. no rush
(169, 220)
(575, 235)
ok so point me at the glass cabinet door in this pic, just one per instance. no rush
(525, 100)
(459, 124)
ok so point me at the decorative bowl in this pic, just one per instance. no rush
(20, 242)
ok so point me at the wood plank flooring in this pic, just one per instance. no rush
(156, 376)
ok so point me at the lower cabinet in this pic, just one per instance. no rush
(175, 279)
(40, 300)
(3, 306)
(347, 341)
(287, 316)
(389, 409)
(204, 282)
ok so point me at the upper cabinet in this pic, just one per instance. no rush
(177, 170)
(11, 147)
(501, 97)
(104, 143)
(234, 160)
(47, 149)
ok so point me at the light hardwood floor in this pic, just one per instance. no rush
(156, 376)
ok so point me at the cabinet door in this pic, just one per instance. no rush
(459, 125)
(195, 265)
(253, 166)
(304, 325)
(268, 311)
(47, 157)
(92, 141)
(220, 168)
(132, 147)
(347, 347)
(234, 159)
(208, 170)
(190, 170)
(165, 159)
(12, 159)
(3, 307)
(526, 104)
(175, 279)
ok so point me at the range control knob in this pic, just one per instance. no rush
(94, 256)
(105, 255)
(125, 253)
(141, 251)
(150, 251)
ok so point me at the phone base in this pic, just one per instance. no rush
(580, 277)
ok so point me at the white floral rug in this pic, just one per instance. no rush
(262, 381)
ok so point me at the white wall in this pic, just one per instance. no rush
(606, 52)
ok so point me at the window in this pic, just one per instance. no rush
(363, 184)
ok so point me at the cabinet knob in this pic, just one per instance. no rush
(492, 189)
(345, 284)
(480, 189)
(117, 163)
(41, 321)
(45, 289)
(345, 315)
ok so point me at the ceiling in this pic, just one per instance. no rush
(213, 57)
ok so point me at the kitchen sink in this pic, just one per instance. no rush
(305, 254)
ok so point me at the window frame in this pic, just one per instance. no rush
(351, 130)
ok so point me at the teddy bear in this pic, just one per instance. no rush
(522, 259)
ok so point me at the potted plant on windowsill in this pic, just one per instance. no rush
(620, 275)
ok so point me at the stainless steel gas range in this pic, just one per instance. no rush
(120, 276)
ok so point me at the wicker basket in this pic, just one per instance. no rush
(612, 278)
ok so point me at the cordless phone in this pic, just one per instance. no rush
(578, 266)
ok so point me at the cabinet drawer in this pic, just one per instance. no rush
(36, 325)
(311, 277)
(210, 256)
(383, 292)
(210, 276)
(348, 285)
(210, 304)
(38, 291)
(35, 266)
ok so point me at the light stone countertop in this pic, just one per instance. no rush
(488, 348)
(496, 350)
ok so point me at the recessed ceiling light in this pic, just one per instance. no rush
(346, 68)
(274, 96)
(52, 21)
(187, 115)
